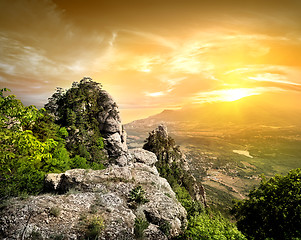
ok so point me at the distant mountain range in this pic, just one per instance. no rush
(254, 110)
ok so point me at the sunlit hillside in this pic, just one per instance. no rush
(230, 144)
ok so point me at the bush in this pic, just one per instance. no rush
(211, 226)
(140, 225)
(25, 155)
(273, 210)
(137, 195)
(94, 227)
(78, 162)
(55, 211)
(165, 227)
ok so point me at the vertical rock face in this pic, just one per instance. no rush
(112, 129)
(172, 162)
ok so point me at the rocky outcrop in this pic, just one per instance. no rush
(106, 204)
(103, 195)
(172, 162)
(111, 128)
(91, 117)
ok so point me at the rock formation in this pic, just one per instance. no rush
(98, 204)
(172, 162)
(89, 113)
(88, 194)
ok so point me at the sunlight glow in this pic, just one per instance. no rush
(227, 95)
(230, 95)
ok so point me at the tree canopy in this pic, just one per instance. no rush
(273, 210)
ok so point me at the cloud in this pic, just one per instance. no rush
(272, 77)
(161, 54)
(155, 94)
(38, 44)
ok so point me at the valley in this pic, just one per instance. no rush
(229, 159)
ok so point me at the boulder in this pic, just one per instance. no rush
(143, 156)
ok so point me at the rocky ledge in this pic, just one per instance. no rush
(82, 197)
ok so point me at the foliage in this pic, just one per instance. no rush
(202, 224)
(211, 226)
(192, 207)
(77, 109)
(25, 156)
(94, 227)
(137, 195)
(273, 210)
(165, 227)
(169, 164)
(32, 145)
(79, 162)
(140, 225)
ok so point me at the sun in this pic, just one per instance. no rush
(230, 95)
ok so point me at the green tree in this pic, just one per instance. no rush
(273, 210)
(77, 109)
(25, 155)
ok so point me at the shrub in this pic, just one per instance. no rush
(140, 225)
(165, 227)
(94, 227)
(137, 195)
(55, 211)
(211, 226)
(31, 146)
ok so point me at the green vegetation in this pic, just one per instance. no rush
(140, 225)
(36, 142)
(137, 195)
(94, 227)
(202, 223)
(26, 156)
(273, 210)
(165, 227)
(77, 109)
(169, 164)
(211, 226)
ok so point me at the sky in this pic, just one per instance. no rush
(152, 55)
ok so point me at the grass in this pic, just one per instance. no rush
(55, 211)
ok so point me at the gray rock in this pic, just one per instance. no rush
(101, 195)
(114, 145)
(143, 156)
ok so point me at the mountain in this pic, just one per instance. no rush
(260, 110)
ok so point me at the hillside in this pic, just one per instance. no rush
(230, 144)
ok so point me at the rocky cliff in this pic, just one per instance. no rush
(172, 163)
(127, 200)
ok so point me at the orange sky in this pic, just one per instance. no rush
(151, 54)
